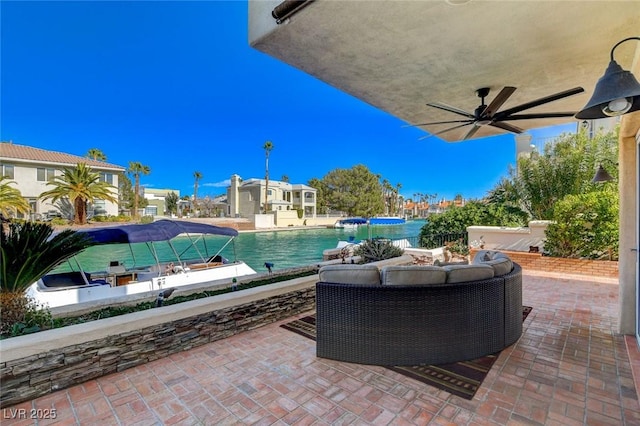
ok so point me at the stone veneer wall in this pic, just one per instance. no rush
(38, 364)
(45, 371)
(535, 261)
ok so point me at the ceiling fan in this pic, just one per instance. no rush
(489, 115)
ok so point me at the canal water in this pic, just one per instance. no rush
(283, 248)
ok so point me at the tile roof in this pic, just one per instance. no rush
(9, 150)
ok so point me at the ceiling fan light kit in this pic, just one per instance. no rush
(616, 93)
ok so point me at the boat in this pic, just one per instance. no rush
(387, 220)
(71, 285)
(350, 223)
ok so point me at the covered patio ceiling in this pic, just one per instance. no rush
(400, 55)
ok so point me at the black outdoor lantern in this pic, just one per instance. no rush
(601, 175)
(616, 93)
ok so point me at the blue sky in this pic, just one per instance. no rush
(177, 87)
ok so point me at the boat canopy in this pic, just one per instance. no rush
(161, 230)
(354, 221)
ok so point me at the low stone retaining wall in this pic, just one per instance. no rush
(535, 261)
(38, 364)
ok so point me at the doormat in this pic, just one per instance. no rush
(459, 378)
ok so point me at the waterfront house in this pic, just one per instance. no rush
(246, 198)
(157, 201)
(31, 168)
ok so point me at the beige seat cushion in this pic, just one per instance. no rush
(413, 274)
(350, 274)
(464, 273)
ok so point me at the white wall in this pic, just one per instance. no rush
(514, 239)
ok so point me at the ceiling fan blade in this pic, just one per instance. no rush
(541, 115)
(443, 131)
(498, 101)
(438, 122)
(507, 127)
(451, 109)
(471, 132)
(538, 102)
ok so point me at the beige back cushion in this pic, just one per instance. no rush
(464, 273)
(499, 261)
(350, 274)
(501, 266)
(413, 274)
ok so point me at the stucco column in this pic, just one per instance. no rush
(628, 159)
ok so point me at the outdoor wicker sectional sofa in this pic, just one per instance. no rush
(412, 315)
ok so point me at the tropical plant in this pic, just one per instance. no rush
(196, 176)
(585, 226)
(80, 185)
(11, 200)
(566, 167)
(28, 251)
(96, 154)
(377, 249)
(268, 147)
(396, 205)
(136, 169)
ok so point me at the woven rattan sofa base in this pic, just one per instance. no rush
(416, 324)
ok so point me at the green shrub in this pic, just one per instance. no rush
(146, 219)
(59, 221)
(377, 249)
(19, 314)
(585, 226)
(475, 213)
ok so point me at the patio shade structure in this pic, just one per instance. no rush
(400, 55)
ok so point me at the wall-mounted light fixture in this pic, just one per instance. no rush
(617, 92)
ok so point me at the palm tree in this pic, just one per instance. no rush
(96, 154)
(386, 194)
(136, 169)
(28, 252)
(11, 200)
(196, 176)
(268, 146)
(80, 185)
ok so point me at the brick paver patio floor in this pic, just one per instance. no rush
(568, 368)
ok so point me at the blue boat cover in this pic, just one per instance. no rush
(386, 221)
(354, 221)
(161, 230)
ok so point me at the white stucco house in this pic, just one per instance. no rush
(31, 168)
(246, 198)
